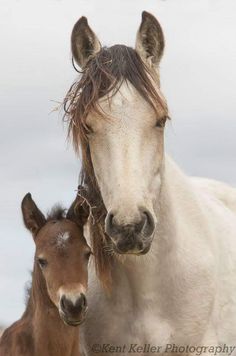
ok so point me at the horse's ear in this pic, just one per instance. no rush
(32, 216)
(79, 211)
(84, 43)
(150, 41)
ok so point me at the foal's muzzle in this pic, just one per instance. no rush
(73, 311)
(134, 237)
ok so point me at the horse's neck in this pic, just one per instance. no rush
(177, 198)
(179, 202)
(51, 336)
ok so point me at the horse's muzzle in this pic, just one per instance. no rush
(132, 238)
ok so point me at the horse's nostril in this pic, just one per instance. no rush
(111, 218)
(109, 223)
(148, 225)
(143, 223)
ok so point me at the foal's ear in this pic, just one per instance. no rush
(79, 211)
(32, 216)
(150, 41)
(84, 43)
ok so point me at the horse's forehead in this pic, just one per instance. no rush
(126, 95)
(125, 99)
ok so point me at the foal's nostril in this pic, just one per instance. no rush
(82, 301)
(63, 303)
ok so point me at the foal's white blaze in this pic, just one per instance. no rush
(127, 154)
(62, 238)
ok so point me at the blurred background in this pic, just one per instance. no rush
(198, 74)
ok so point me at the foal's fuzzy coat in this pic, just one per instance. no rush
(41, 330)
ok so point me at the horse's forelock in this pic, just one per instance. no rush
(103, 75)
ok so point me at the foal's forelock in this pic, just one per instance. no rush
(103, 77)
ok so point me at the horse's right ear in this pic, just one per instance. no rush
(150, 40)
(84, 43)
(32, 216)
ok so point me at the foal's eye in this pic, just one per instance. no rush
(88, 254)
(42, 263)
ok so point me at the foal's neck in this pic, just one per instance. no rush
(51, 336)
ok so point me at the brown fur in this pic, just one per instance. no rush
(40, 331)
(104, 75)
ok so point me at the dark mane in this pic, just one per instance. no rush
(104, 74)
(56, 213)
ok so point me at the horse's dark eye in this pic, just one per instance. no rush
(161, 122)
(42, 262)
(89, 129)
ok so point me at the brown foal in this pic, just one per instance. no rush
(57, 299)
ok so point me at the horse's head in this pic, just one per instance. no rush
(120, 109)
(61, 258)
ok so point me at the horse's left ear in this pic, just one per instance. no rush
(84, 43)
(78, 211)
(150, 41)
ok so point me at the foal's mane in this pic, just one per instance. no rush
(56, 213)
(103, 75)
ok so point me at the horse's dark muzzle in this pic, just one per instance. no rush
(131, 238)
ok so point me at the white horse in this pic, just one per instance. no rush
(172, 237)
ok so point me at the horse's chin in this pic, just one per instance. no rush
(132, 252)
(145, 250)
(73, 322)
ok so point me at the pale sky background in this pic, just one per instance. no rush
(198, 75)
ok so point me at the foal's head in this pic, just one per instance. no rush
(61, 256)
(117, 117)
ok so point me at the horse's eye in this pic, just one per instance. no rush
(89, 129)
(161, 122)
(42, 263)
